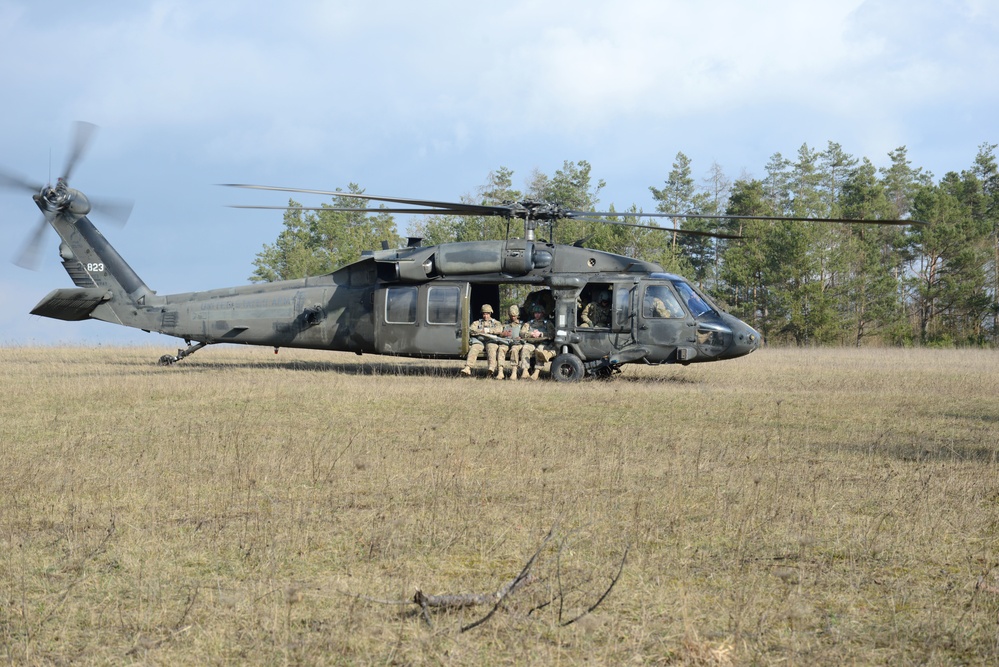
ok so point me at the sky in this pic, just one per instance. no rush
(425, 99)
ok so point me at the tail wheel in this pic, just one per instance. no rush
(567, 368)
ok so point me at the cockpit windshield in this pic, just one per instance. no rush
(696, 304)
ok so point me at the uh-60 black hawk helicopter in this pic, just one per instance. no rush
(414, 301)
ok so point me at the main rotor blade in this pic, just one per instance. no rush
(704, 216)
(30, 254)
(83, 134)
(545, 211)
(452, 207)
(690, 232)
(418, 211)
(423, 211)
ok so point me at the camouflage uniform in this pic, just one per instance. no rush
(659, 308)
(660, 303)
(490, 327)
(541, 297)
(538, 335)
(512, 330)
(597, 313)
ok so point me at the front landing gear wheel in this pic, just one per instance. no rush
(567, 368)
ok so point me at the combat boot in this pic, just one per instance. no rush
(499, 374)
(535, 374)
(466, 371)
(524, 374)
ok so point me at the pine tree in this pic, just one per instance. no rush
(868, 292)
(746, 269)
(987, 172)
(317, 242)
(949, 285)
(680, 194)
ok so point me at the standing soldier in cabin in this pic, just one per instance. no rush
(541, 297)
(482, 332)
(598, 313)
(512, 331)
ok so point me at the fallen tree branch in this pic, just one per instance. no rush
(468, 599)
(516, 583)
(426, 603)
(596, 604)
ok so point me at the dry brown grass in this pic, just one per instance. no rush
(796, 506)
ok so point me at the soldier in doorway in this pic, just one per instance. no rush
(538, 334)
(482, 332)
(512, 330)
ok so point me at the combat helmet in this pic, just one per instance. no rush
(486, 308)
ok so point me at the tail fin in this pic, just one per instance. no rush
(107, 287)
(92, 262)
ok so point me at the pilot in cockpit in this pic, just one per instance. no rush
(660, 302)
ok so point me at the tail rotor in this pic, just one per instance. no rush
(62, 198)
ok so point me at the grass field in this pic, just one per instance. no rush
(793, 507)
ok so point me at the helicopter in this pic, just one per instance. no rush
(415, 301)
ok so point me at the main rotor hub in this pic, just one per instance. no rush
(532, 212)
(530, 209)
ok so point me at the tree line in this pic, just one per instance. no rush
(797, 282)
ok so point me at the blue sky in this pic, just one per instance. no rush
(425, 99)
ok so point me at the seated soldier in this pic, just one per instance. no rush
(538, 334)
(482, 333)
(512, 330)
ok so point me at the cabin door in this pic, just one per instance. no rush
(421, 320)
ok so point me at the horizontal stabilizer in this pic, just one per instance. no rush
(71, 304)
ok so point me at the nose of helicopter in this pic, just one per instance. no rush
(745, 339)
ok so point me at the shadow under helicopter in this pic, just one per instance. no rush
(421, 368)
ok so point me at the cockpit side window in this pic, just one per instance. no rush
(660, 302)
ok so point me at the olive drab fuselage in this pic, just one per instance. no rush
(415, 301)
